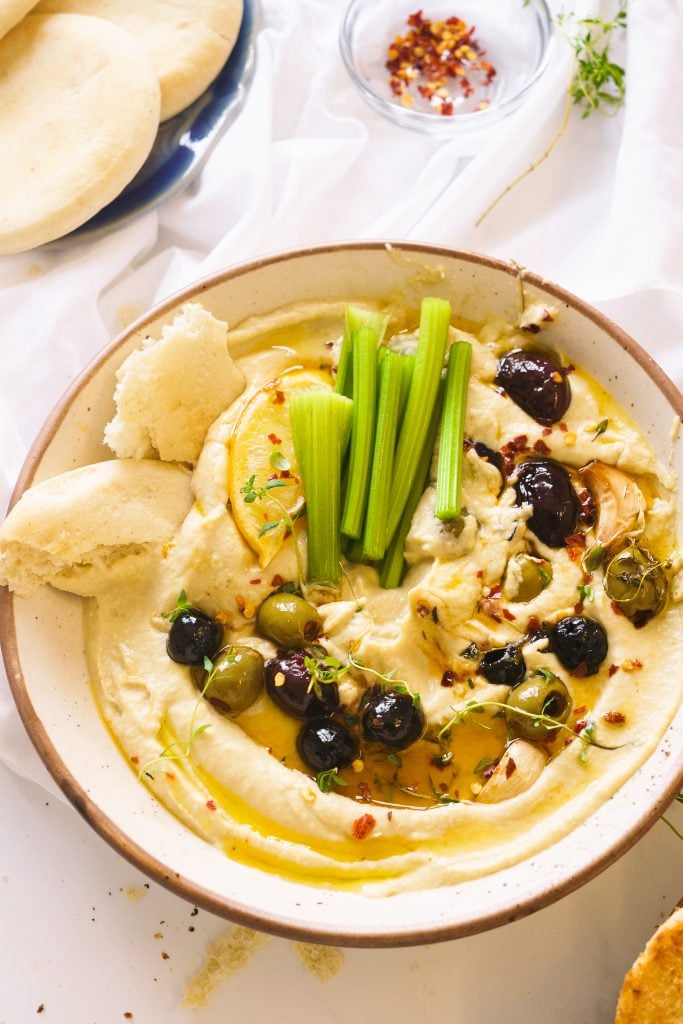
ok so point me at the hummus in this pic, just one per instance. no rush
(463, 800)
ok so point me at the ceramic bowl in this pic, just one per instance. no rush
(42, 636)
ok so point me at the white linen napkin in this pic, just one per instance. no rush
(307, 162)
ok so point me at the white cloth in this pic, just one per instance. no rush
(307, 161)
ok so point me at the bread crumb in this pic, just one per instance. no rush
(133, 893)
(128, 312)
(226, 955)
(322, 961)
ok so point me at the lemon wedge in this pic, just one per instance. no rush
(261, 453)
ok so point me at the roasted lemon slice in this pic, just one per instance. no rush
(263, 475)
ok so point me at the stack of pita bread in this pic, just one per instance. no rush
(83, 87)
(652, 992)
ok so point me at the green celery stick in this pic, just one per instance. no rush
(362, 430)
(449, 471)
(391, 376)
(321, 423)
(435, 315)
(393, 566)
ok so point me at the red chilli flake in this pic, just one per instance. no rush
(364, 793)
(614, 717)
(580, 711)
(541, 447)
(517, 446)
(274, 439)
(510, 768)
(277, 580)
(508, 615)
(278, 397)
(612, 669)
(255, 582)
(438, 59)
(363, 826)
(211, 805)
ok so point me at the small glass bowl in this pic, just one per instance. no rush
(516, 37)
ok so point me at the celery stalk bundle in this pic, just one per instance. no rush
(394, 404)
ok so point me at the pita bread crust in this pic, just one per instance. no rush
(91, 526)
(652, 992)
(188, 41)
(11, 13)
(169, 392)
(79, 112)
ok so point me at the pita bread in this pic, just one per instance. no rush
(169, 392)
(11, 13)
(652, 992)
(188, 41)
(92, 526)
(79, 112)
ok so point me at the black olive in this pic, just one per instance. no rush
(547, 487)
(503, 666)
(194, 635)
(324, 744)
(536, 384)
(288, 683)
(495, 458)
(391, 718)
(578, 641)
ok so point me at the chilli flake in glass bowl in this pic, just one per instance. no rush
(450, 68)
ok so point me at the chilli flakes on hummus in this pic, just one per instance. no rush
(373, 600)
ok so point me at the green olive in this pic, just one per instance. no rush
(526, 577)
(288, 620)
(637, 583)
(542, 694)
(235, 681)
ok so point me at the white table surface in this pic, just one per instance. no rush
(72, 940)
(75, 942)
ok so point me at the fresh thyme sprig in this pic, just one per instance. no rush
(597, 83)
(185, 746)
(478, 707)
(182, 605)
(387, 678)
(328, 780)
(322, 668)
(251, 493)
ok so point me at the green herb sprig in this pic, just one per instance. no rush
(386, 678)
(326, 781)
(251, 493)
(184, 747)
(478, 707)
(598, 83)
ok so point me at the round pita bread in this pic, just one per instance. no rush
(11, 13)
(188, 41)
(652, 992)
(79, 112)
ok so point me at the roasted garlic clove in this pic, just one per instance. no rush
(517, 770)
(620, 502)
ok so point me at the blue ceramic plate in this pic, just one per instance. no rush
(183, 142)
